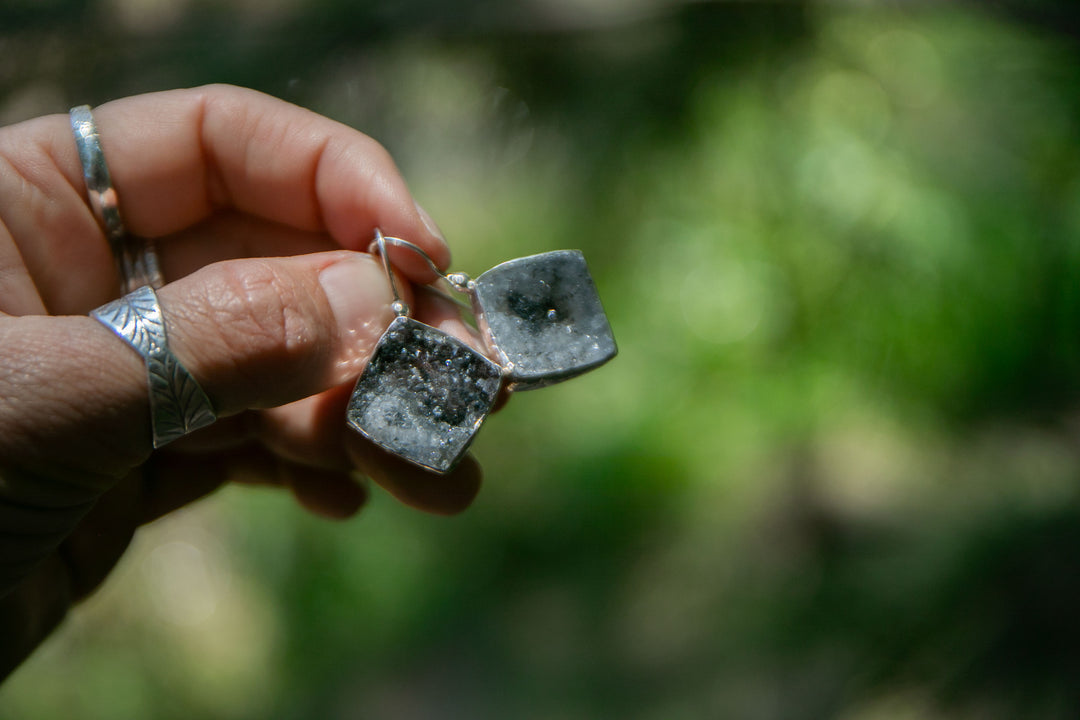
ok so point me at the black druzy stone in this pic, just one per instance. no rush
(543, 316)
(423, 395)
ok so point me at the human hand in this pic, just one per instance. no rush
(259, 209)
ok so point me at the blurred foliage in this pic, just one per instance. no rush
(832, 473)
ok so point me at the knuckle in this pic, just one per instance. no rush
(260, 309)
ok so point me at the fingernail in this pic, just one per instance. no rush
(360, 298)
(429, 223)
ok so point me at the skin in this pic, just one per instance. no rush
(261, 212)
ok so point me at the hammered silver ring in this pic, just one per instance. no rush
(136, 258)
(178, 404)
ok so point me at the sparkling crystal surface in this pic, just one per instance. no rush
(543, 315)
(423, 395)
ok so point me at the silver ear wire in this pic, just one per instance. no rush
(457, 280)
(399, 306)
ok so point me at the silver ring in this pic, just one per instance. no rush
(136, 258)
(178, 404)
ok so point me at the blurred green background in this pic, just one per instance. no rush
(833, 472)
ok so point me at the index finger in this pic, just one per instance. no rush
(177, 156)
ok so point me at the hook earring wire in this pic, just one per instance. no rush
(459, 281)
(399, 306)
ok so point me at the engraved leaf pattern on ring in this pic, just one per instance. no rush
(180, 405)
(150, 325)
(193, 405)
(137, 319)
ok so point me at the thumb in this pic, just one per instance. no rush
(254, 333)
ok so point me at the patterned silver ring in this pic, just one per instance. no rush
(136, 258)
(178, 404)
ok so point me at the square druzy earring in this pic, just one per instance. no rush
(541, 316)
(424, 394)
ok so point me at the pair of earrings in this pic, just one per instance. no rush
(424, 394)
